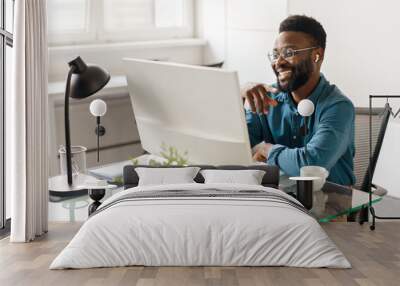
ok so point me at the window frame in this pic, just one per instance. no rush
(81, 37)
(96, 34)
(6, 39)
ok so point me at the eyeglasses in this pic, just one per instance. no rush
(286, 53)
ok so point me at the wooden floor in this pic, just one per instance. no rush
(375, 257)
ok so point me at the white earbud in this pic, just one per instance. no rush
(317, 58)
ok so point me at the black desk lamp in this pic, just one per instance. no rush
(83, 80)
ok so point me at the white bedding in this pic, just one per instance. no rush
(200, 231)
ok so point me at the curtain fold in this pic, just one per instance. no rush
(26, 119)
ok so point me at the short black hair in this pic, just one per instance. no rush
(307, 25)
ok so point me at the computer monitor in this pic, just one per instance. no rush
(192, 108)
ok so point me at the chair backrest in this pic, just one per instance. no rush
(380, 118)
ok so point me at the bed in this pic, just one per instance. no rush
(201, 224)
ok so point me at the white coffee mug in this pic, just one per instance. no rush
(315, 171)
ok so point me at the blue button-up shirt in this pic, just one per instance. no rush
(330, 138)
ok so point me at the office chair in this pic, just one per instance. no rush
(362, 164)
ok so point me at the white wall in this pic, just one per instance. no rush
(251, 29)
(241, 33)
(363, 44)
(210, 26)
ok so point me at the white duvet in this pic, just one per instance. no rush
(193, 231)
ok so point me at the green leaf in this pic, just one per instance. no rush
(170, 154)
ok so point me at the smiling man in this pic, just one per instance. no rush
(296, 60)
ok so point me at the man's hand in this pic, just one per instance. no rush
(256, 95)
(261, 152)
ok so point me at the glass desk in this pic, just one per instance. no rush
(73, 209)
(328, 205)
(331, 203)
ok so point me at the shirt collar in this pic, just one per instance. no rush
(318, 89)
(285, 97)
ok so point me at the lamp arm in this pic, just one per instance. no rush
(67, 129)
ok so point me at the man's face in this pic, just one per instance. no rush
(295, 71)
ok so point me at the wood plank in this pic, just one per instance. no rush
(375, 257)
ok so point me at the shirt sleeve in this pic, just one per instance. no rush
(258, 128)
(330, 141)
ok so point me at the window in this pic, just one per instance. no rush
(6, 43)
(102, 21)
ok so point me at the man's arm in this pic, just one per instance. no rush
(327, 145)
(257, 126)
(256, 95)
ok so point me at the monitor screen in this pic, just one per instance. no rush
(194, 109)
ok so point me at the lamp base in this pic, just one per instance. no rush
(96, 195)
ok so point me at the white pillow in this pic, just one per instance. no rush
(248, 177)
(164, 176)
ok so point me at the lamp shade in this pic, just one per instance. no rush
(86, 79)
